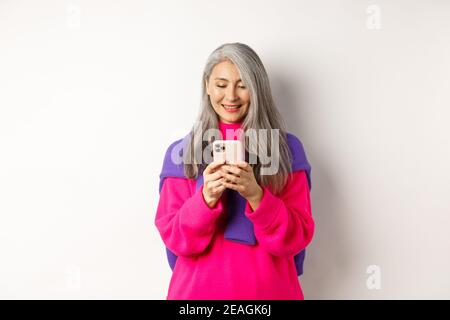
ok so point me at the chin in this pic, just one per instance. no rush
(233, 119)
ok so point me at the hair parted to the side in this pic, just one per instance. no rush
(262, 114)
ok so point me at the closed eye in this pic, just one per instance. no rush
(242, 87)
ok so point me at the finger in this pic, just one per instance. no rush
(219, 188)
(243, 165)
(232, 169)
(214, 176)
(232, 186)
(213, 165)
(217, 183)
(229, 185)
(231, 178)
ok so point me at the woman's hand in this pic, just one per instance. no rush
(213, 183)
(240, 177)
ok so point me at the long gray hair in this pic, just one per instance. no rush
(262, 114)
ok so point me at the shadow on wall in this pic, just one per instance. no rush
(328, 257)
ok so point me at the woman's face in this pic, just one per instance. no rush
(229, 97)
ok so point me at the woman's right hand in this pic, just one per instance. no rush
(212, 183)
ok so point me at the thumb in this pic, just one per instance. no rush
(213, 165)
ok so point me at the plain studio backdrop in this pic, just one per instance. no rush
(93, 92)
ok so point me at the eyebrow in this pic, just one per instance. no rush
(226, 79)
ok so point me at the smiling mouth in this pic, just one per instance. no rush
(231, 107)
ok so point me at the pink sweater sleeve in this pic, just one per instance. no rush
(183, 218)
(284, 225)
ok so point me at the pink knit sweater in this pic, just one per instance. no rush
(211, 267)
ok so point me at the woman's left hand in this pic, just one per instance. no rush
(240, 177)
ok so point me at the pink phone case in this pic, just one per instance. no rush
(231, 151)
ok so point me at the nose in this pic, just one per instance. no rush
(231, 95)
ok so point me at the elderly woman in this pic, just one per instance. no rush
(233, 231)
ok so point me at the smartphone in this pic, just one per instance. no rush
(232, 151)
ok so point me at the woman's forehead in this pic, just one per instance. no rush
(226, 72)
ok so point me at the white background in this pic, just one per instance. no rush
(93, 92)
